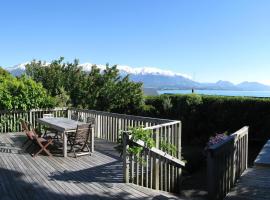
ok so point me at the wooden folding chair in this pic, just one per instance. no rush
(75, 116)
(32, 136)
(25, 129)
(48, 129)
(81, 139)
(90, 120)
(43, 143)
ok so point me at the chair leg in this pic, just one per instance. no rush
(83, 153)
(41, 150)
(44, 148)
(74, 153)
(45, 134)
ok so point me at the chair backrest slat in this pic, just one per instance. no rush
(82, 132)
(24, 126)
(74, 116)
(90, 120)
(29, 133)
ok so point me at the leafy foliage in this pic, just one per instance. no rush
(202, 116)
(168, 147)
(101, 90)
(145, 135)
(22, 93)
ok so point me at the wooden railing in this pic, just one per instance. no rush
(155, 168)
(160, 169)
(226, 161)
(10, 120)
(109, 125)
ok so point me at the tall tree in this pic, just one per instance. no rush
(102, 90)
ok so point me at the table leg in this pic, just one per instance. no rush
(65, 144)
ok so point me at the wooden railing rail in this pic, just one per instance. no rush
(155, 167)
(110, 114)
(10, 120)
(160, 169)
(110, 125)
(226, 161)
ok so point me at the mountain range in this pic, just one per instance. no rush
(163, 79)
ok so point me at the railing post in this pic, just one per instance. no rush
(234, 160)
(69, 113)
(211, 176)
(92, 146)
(179, 140)
(30, 117)
(98, 126)
(156, 172)
(179, 152)
(246, 149)
(125, 157)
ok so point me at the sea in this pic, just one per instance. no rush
(219, 92)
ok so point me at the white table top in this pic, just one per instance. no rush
(60, 123)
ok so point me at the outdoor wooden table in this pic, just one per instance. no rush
(62, 125)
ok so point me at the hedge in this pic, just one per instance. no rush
(203, 116)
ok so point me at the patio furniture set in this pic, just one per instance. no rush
(76, 134)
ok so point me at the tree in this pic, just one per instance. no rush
(102, 90)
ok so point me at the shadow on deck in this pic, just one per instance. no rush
(98, 176)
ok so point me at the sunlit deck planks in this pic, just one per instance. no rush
(99, 176)
(254, 184)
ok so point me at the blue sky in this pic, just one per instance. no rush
(208, 40)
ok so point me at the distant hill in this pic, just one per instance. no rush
(150, 91)
(17, 70)
(164, 79)
(253, 86)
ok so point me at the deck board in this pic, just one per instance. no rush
(99, 176)
(263, 159)
(254, 184)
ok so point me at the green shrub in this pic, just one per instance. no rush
(203, 116)
(22, 93)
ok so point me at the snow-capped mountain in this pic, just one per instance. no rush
(137, 70)
(17, 70)
(161, 79)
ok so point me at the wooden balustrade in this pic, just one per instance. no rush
(155, 168)
(10, 120)
(160, 169)
(226, 161)
(109, 125)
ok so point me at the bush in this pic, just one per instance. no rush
(203, 116)
(22, 93)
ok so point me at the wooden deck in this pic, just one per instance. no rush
(255, 182)
(99, 176)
